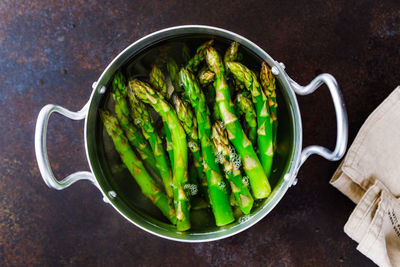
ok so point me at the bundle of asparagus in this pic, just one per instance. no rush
(199, 116)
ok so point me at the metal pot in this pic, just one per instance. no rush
(122, 193)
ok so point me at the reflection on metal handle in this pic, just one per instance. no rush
(341, 118)
(41, 149)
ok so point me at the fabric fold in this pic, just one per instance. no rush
(370, 176)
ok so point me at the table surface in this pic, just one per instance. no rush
(51, 52)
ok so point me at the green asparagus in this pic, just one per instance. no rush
(194, 62)
(232, 171)
(157, 80)
(186, 116)
(144, 121)
(264, 131)
(136, 168)
(205, 77)
(173, 71)
(232, 54)
(216, 186)
(268, 83)
(180, 173)
(134, 136)
(251, 164)
(245, 108)
(189, 123)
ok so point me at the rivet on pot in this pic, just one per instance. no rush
(282, 65)
(274, 70)
(94, 85)
(112, 194)
(105, 199)
(286, 177)
(102, 90)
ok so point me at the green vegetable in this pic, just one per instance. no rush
(194, 62)
(232, 54)
(268, 83)
(216, 186)
(173, 71)
(251, 164)
(189, 123)
(180, 173)
(205, 77)
(134, 136)
(228, 159)
(245, 108)
(144, 121)
(264, 131)
(136, 168)
(157, 80)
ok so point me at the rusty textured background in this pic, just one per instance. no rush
(52, 51)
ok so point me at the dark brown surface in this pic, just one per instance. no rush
(52, 52)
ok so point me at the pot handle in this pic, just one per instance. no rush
(341, 118)
(41, 149)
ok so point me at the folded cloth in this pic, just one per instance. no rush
(370, 176)
(375, 225)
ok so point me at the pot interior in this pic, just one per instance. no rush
(122, 190)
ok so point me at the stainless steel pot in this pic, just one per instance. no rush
(122, 193)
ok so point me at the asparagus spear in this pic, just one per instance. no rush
(157, 80)
(205, 77)
(268, 83)
(180, 174)
(216, 186)
(135, 138)
(210, 97)
(189, 123)
(144, 121)
(264, 131)
(232, 171)
(173, 71)
(245, 107)
(251, 164)
(186, 116)
(194, 62)
(232, 54)
(136, 168)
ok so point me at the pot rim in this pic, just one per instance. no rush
(150, 39)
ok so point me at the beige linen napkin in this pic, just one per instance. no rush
(370, 176)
